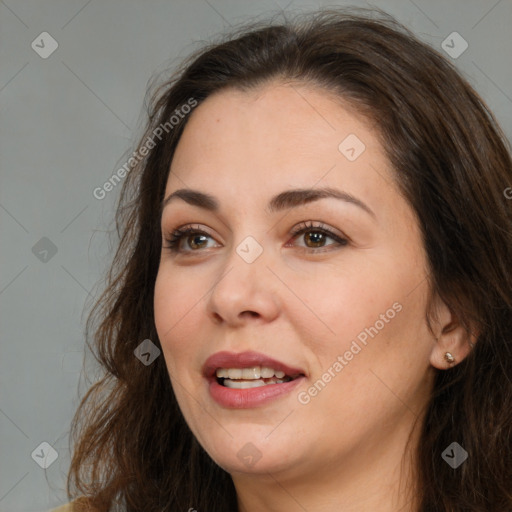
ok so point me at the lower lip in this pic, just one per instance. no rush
(252, 397)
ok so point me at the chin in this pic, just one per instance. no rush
(249, 452)
(263, 466)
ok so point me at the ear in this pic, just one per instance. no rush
(453, 342)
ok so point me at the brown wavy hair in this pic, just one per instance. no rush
(133, 450)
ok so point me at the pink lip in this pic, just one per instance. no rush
(252, 397)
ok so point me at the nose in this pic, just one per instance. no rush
(245, 290)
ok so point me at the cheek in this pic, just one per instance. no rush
(363, 378)
(340, 300)
(176, 306)
(370, 306)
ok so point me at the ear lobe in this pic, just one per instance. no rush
(454, 342)
(451, 348)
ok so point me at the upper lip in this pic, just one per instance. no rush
(246, 359)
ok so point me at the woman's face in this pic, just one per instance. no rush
(341, 304)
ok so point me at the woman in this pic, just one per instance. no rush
(311, 304)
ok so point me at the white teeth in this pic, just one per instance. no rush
(253, 373)
(266, 372)
(246, 384)
(235, 373)
(243, 384)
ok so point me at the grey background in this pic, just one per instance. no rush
(66, 123)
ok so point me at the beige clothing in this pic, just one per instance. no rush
(68, 507)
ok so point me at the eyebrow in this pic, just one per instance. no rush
(282, 201)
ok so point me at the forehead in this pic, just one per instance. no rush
(260, 142)
(274, 119)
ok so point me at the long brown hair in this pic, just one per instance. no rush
(133, 448)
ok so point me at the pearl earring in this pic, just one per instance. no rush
(448, 357)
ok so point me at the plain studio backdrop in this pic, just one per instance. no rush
(73, 77)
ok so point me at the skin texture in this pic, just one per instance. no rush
(305, 308)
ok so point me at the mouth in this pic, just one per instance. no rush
(233, 378)
(252, 377)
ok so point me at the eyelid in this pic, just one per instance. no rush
(339, 237)
(181, 232)
(319, 225)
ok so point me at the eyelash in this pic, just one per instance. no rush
(177, 235)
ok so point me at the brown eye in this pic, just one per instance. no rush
(316, 236)
(197, 239)
(196, 244)
(316, 239)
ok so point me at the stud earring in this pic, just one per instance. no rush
(448, 357)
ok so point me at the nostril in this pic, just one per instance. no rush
(250, 313)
